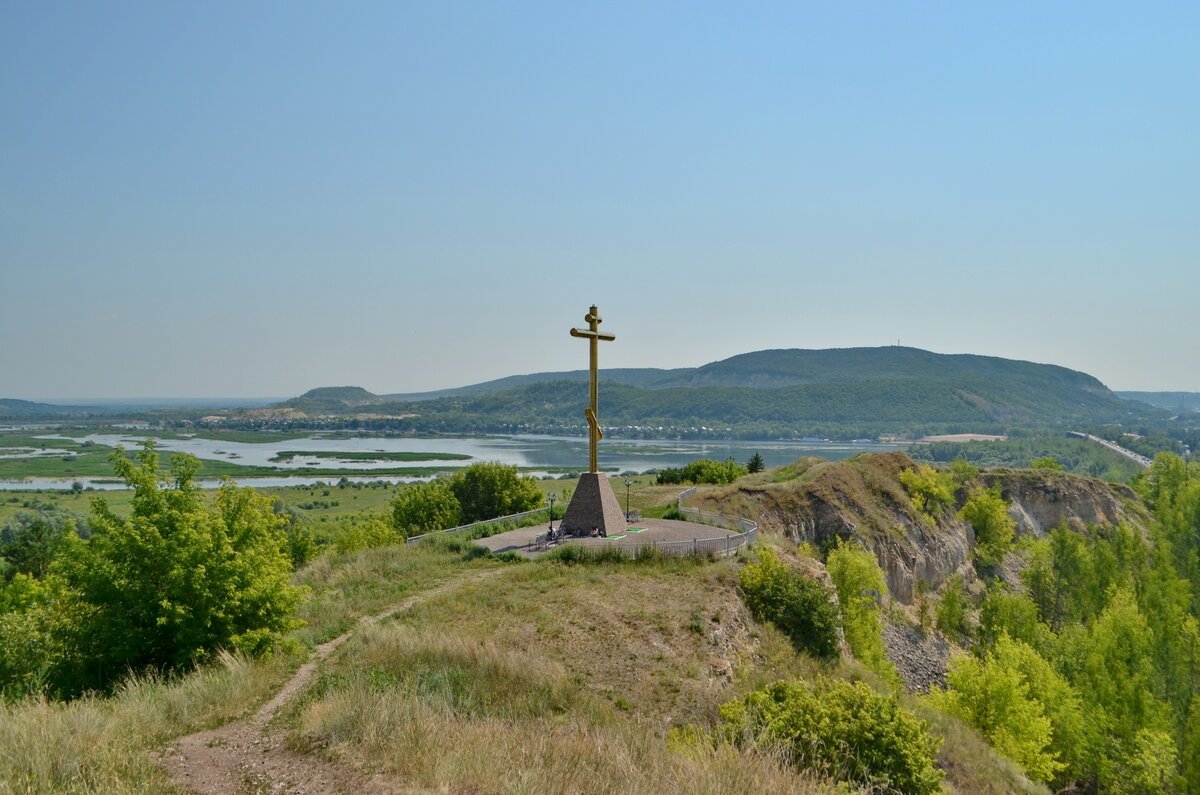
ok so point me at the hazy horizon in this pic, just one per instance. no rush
(117, 399)
(221, 199)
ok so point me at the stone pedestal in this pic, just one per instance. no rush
(594, 505)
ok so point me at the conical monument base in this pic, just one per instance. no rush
(593, 507)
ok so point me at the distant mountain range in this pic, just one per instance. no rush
(1171, 401)
(836, 393)
(840, 393)
(12, 409)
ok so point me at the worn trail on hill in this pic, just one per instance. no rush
(248, 755)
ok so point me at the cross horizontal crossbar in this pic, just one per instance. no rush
(579, 332)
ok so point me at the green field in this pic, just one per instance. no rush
(329, 503)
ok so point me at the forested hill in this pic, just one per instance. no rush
(1171, 401)
(12, 409)
(772, 369)
(842, 393)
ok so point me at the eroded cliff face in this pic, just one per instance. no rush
(863, 498)
(1040, 500)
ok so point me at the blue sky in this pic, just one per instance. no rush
(249, 199)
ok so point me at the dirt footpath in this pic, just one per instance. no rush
(250, 755)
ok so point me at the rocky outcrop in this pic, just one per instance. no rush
(920, 657)
(1040, 500)
(862, 498)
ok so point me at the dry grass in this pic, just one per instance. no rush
(438, 713)
(542, 678)
(346, 587)
(662, 640)
(103, 745)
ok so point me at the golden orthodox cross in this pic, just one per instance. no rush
(593, 335)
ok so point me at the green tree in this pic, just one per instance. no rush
(1046, 462)
(1117, 680)
(755, 464)
(40, 628)
(992, 694)
(953, 616)
(179, 579)
(801, 608)
(1004, 612)
(860, 588)
(844, 731)
(987, 513)
(963, 471)
(32, 539)
(931, 491)
(424, 508)
(491, 489)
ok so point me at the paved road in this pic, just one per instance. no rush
(1116, 448)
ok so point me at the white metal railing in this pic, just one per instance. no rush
(480, 523)
(717, 546)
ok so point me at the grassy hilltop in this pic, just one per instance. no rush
(565, 675)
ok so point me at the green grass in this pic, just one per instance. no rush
(105, 744)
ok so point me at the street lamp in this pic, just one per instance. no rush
(628, 483)
(552, 498)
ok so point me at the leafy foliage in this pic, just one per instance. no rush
(953, 616)
(994, 695)
(704, 470)
(178, 579)
(860, 587)
(422, 508)
(31, 539)
(931, 491)
(365, 534)
(491, 489)
(842, 730)
(776, 592)
(987, 512)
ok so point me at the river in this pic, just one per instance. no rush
(529, 452)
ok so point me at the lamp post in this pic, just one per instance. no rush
(551, 498)
(628, 483)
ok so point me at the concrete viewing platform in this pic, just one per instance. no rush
(646, 532)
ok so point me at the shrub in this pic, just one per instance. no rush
(30, 540)
(931, 491)
(952, 611)
(800, 607)
(492, 489)
(842, 730)
(987, 512)
(1020, 703)
(704, 470)
(179, 578)
(425, 507)
(860, 586)
(356, 535)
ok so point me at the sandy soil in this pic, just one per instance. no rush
(251, 756)
(961, 437)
